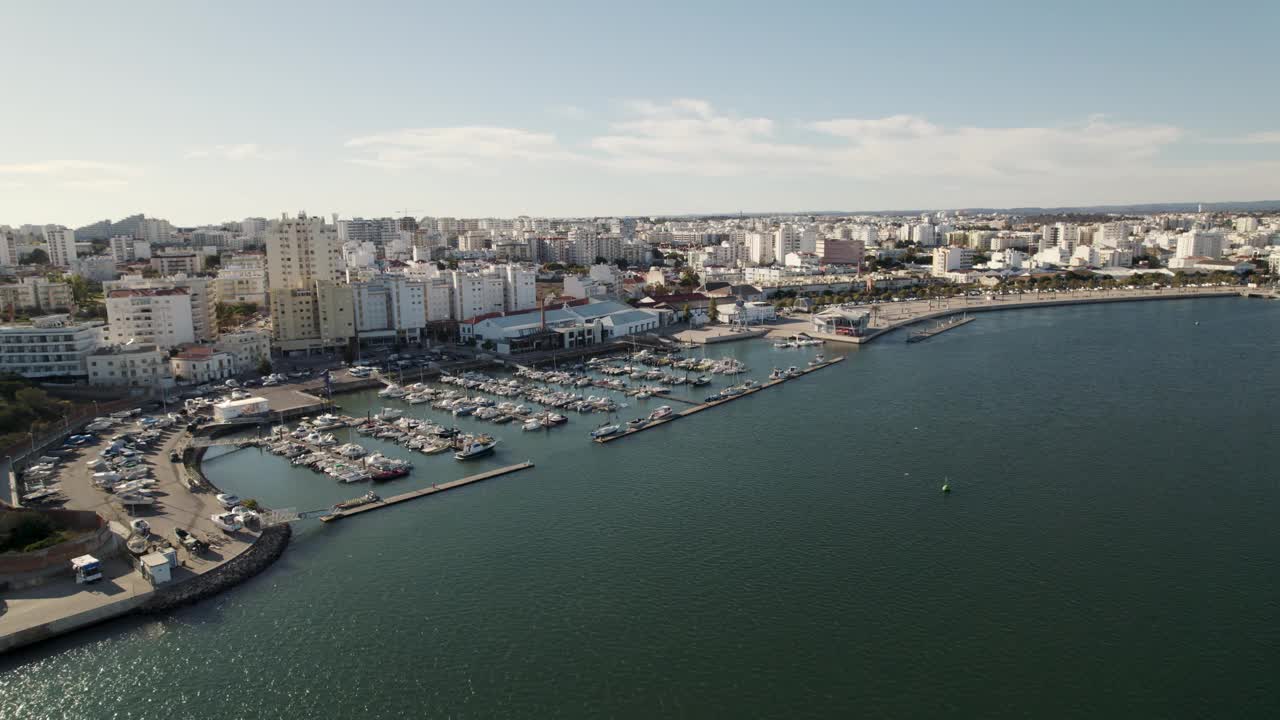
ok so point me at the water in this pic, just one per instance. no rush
(1108, 550)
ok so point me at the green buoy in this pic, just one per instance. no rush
(946, 486)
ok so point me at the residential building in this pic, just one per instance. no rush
(200, 294)
(239, 285)
(50, 346)
(8, 247)
(840, 252)
(62, 245)
(1200, 243)
(389, 310)
(247, 348)
(951, 259)
(310, 310)
(36, 294)
(98, 268)
(172, 263)
(786, 239)
(132, 365)
(760, 248)
(157, 316)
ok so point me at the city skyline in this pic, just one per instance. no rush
(503, 111)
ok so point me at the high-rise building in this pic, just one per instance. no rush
(310, 310)
(924, 235)
(389, 309)
(786, 239)
(62, 245)
(8, 247)
(760, 248)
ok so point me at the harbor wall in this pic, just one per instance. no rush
(68, 623)
(268, 548)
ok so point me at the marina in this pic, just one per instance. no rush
(699, 407)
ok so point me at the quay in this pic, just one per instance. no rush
(699, 407)
(940, 328)
(415, 494)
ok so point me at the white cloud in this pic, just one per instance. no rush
(79, 174)
(572, 112)
(1266, 137)
(455, 148)
(689, 136)
(238, 151)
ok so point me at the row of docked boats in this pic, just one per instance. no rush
(606, 429)
(797, 341)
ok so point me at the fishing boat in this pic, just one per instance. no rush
(475, 449)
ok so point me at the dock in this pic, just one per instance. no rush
(939, 328)
(415, 494)
(699, 407)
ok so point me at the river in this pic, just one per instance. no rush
(1108, 550)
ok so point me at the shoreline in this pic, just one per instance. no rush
(916, 311)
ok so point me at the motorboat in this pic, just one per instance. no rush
(226, 522)
(532, 424)
(140, 526)
(228, 501)
(660, 413)
(389, 414)
(637, 423)
(392, 391)
(350, 450)
(605, 431)
(475, 449)
(700, 381)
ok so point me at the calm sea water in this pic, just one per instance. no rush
(1109, 550)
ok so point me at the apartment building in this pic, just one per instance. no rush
(49, 346)
(133, 365)
(310, 309)
(62, 245)
(155, 316)
(200, 293)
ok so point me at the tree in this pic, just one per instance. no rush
(81, 289)
(685, 312)
(264, 366)
(688, 279)
(713, 312)
(621, 263)
(600, 260)
(554, 267)
(35, 257)
(656, 290)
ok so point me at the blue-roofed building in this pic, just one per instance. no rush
(560, 327)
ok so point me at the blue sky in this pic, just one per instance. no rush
(205, 112)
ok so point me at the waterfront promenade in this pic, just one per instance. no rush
(890, 316)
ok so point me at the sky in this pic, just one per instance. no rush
(205, 112)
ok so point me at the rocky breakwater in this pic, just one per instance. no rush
(269, 546)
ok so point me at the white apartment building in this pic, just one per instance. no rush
(200, 293)
(133, 365)
(50, 346)
(1063, 235)
(786, 239)
(1199, 243)
(235, 285)
(98, 268)
(156, 316)
(951, 259)
(924, 235)
(519, 286)
(152, 231)
(62, 245)
(390, 309)
(760, 248)
(198, 364)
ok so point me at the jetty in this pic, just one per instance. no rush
(699, 407)
(941, 327)
(415, 494)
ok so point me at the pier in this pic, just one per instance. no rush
(940, 328)
(415, 494)
(699, 407)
